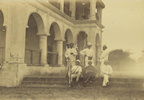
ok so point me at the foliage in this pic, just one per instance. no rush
(120, 59)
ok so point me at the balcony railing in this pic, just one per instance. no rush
(77, 21)
(32, 57)
(2, 55)
(84, 16)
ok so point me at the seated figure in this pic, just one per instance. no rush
(76, 71)
(89, 73)
(106, 73)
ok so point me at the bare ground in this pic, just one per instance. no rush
(91, 92)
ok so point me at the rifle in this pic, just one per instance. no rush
(69, 72)
(1, 66)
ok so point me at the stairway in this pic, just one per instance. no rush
(43, 80)
(60, 81)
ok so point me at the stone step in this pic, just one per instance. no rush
(94, 83)
(62, 78)
(60, 81)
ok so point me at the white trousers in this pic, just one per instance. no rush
(105, 79)
(77, 76)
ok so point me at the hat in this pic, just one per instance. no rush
(78, 60)
(104, 47)
(71, 44)
(89, 44)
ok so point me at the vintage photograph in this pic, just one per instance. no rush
(71, 49)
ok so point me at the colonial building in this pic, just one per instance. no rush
(34, 34)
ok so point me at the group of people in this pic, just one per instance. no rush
(88, 72)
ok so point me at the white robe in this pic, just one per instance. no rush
(72, 57)
(106, 72)
(88, 53)
(103, 58)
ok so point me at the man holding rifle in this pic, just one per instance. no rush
(70, 55)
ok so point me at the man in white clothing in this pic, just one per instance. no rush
(88, 53)
(106, 73)
(103, 57)
(75, 71)
(70, 54)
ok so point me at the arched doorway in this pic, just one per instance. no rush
(32, 47)
(55, 35)
(2, 38)
(68, 39)
(98, 49)
(81, 43)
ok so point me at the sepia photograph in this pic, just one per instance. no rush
(71, 49)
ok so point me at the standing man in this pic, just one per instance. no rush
(70, 55)
(103, 57)
(88, 53)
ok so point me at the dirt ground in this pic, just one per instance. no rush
(91, 92)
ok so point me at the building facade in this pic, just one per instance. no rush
(35, 33)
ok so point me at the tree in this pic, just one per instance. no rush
(120, 59)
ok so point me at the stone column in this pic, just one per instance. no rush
(75, 38)
(43, 47)
(92, 9)
(99, 13)
(7, 44)
(60, 52)
(62, 5)
(73, 8)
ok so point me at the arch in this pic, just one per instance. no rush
(82, 39)
(1, 18)
(68, 36)
(2, 38)
(36, 27)
(55, 35)
(57, 31)
(98, 48)
(81, 43)
(5, 16)
(97, 40)
(39, 22)
(68, 39)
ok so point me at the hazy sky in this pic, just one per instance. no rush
(124, 25)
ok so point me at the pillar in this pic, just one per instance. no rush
(99, 13)
(92, 9)
(60, 52)
(62, 5)
(43, 47)
(75, 38)
(7, 44)
(73, 8)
